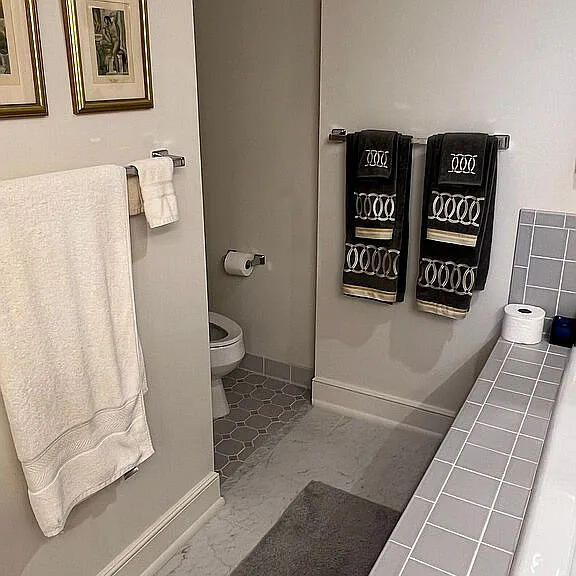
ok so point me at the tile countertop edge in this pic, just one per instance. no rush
(466, 514)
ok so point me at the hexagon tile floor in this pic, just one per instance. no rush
(261, 408)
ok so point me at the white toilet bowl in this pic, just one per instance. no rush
(226, 353)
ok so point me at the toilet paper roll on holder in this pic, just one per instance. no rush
(258, 260)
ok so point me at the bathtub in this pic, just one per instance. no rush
(548, 540)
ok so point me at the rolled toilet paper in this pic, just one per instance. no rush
(523, 323)
(238, 263)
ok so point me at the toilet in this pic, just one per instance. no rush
(226, 353)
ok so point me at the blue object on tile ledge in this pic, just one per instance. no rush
(562, 332)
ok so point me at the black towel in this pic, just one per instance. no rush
(378, 170)
(457, 221)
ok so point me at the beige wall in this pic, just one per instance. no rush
(423, 67)
(170, 296)
(258, 83)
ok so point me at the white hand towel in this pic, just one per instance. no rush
(71, 371)
(155, 176)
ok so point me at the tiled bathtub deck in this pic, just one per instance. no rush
(260, 409)
(466, 515)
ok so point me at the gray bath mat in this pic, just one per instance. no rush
(324, 532)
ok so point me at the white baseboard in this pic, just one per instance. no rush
(157, 544)
(362, 402)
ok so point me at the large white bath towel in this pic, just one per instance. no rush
(71, 372)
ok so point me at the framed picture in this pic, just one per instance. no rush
(22, 91)
(108, 55)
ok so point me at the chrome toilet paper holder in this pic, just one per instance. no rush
(258, 260)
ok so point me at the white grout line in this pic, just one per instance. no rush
(498, 490)
(528, 267)
(435, 568)
(467, 537)
(503, 453)
(552, 289)
(502, 429)
(562, 274)
(398, 543)
(447, 477)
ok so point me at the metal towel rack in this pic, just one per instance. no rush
(179, 161)
(339, 135)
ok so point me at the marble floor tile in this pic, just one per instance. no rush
(370, 459)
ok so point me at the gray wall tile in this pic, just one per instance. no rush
(491, 369)
(302, 376)
(254, 363)
(482, 461)
(540, 408)
(472, 487)
(491, 561)
(527, 355)
(570, 221)
(466, 417)
(500, 418)
(550, 374)
(527, 216)
(520, 473)
(433, 480)
(433, 544)
(546, 390)
(480, 391)
(502, 531)
(544, 298)
(500, 351)
(545, 273)
(276, 369)
(451, 445)
(515, 383)
(411, 521)
(528, 448)
(492, 438)
(517, 285)
(523, 240)
(569, 276)
(507, 399)
(567, 304)
(459, 516)
(555, 361)
(392, 558)
(549, 242)
(571, 252)
(550, 219)
(414, 568)
(521, 368)
(512, 500)
(535, 427)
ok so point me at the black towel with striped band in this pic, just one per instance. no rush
(378, 172)
(457, 221)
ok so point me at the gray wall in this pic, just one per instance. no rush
(258, 84)
(424, 67)
(169, 277)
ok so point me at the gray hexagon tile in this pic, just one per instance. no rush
(260, 410)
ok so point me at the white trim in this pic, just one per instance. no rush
(372, 404)
(204, 495)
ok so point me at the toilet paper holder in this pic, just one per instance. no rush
(258, 260)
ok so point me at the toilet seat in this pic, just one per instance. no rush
(233, 332)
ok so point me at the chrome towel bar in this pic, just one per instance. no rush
(339, 135)
(179, 161)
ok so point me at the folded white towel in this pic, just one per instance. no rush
(71, 371)
(155, 176)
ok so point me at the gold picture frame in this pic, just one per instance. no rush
(108, 45)
(22, 86)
